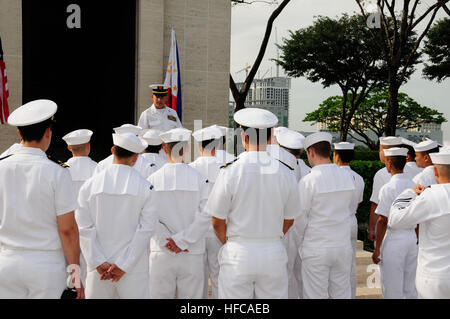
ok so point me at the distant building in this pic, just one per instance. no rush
(272, 94)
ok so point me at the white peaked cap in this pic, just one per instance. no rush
(396, 151)
(32, 113)
(255, 118)
(128, 128)
(176, 135)
(155, 86)
(441, 158)
(408, 142)
(130, 142)
(78, 137)
(222, 128)
(344, 146)
(426, 146)
(316, 138)
(290, 139)
(390, 140)
(278, 129)
(208, 133)
(152, 137)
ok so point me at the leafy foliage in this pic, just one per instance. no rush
(437, 47)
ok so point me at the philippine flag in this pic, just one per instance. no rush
(173, 79)
(4, 93)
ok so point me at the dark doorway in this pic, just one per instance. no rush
(88, 71)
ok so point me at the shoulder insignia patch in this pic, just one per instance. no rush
(60, 163)
(1, 159)
(286, 165)
(172, 118)
(229, 163)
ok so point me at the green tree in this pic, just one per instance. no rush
(336, 52)
(371, 115)
(437, 47)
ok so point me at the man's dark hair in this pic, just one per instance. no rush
(153, 148)
(224, 141)
(258, 132)
(36, 131)
(180, 145)
(398, 162)
(122, 153)
(322, 149)
(411, 151)
(210, 144)
(434, 150)
(346, 156)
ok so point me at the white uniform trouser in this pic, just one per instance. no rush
(398, 266)
(432, 288)
(28, 274)
(212, 247)
(326, 272)
(182, 273)
(130, 286)
(253, 269)
(290, 242)
(354, 239)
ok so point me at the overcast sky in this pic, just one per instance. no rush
(247, 30)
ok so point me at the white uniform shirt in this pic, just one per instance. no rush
(326, 198)
(182, 194)
(155, 158)
(164, 119)
(33, 192)
(426, 178)
(142, 165)
(255, 194)
(286, 158)
(432, 211)
(389, 193)
(380, 178)
(304, 169)
(412, 170)
(81, 168)
(224, 157)
(11, 150)
(359, 185)
(116, 218)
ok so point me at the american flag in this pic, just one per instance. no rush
(4, 93)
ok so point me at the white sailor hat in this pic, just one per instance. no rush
(408, 142)
(176, 135)
(32, 113)
(152, 137)
(78, 137)
(344, 146)
(255, 118)
(222, 128)
(316, 138)
(426, 146)
(128, 128)
(208, 133)
(290, 139)
(130, 142)
(396, 151)
(390, 141)
(278, 130)
(441, 158)
(159, 89)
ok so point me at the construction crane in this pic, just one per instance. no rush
(245, 69)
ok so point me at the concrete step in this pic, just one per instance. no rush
(368, 293)
(359, 245)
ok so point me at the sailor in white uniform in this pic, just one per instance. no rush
(290, 145)
(159, 116)
(178, 247)
(153, 151)
(411, 168)
(381, 178)
(142, 165)
(395, 250)
(429, 207)
(38, 231)
(81, 168)
(423, 151)
(209, 165)
(117, 217)
(343, 155)
(326, 197)
(253, 203)
(223, 156)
